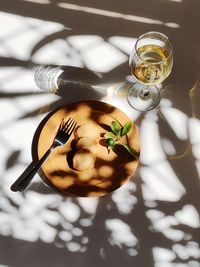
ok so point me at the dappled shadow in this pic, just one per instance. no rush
(111, 169)
(153, 219)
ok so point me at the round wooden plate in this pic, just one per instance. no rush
(112, 169)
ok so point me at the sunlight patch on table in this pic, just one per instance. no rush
(17, 30)
(16, 80)
(70, 211)
(168, 147)
(164, 223)
(124, 198)
(162, 181)
(188, 216)
(178, 122)
(163, 255)
(185, 252)
(65, 236)
(89, 205)
(125, 44)
(151, 149)
(178, 1)
(154, 214)
(73, 246)
(103, 58)
(43, 2)
(57, 52)
(116, 15)
(120, 233)
(85, 222)
(194, 136)
(17, 132)
(194, 132)
(84, 42)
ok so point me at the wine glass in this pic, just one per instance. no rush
(151, 62)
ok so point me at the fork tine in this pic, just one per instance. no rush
(72, 127)
(67, 124)
(63, 124)
(60, 125)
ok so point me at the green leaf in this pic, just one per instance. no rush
(110, 135)
(131, 151)
(116, 127)
(126, 128)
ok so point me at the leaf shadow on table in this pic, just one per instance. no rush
(130, 211)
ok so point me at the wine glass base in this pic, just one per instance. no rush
(142, 100)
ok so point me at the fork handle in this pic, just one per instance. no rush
(25, 178)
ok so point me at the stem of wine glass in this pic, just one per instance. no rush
(145, 92)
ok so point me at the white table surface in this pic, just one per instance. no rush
(153, 220)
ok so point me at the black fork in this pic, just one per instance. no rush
(62, 136)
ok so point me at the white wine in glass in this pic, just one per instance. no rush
(151, 62)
